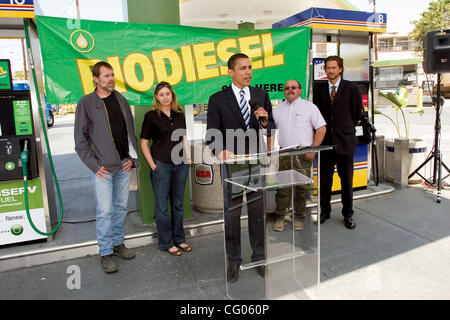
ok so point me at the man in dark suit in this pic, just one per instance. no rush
(340, 103)
(230, 114)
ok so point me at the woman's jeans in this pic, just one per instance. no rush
(111, 195)
(169, 181)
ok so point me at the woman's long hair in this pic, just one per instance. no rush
(156, 105)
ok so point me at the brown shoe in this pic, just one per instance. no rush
(185, 247)
(174, 251)
(109, 266)
(298, 225)
(279, 224)
(123, 252)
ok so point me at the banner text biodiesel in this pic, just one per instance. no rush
(193, 60)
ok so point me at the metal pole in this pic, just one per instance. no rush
(437, 159)
(371, 82)
(375, 36)
(77, 5)
(25, 71)
(437, 130)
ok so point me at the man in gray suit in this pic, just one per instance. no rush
(105, 142)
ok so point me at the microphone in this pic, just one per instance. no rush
(255, 106)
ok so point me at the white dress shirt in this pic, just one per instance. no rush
(336, 85)
(237, 93)
(296, 122)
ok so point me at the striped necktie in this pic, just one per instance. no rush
(333, 94)
(245, 110)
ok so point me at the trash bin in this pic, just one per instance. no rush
(207, 194)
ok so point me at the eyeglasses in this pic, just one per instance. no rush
(162, 85)
(289, 88)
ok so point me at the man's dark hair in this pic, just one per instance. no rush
(338, 59)
(234, 57)
(98, 65)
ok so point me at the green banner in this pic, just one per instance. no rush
(193, 60)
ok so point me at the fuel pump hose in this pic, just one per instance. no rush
(24, 159)
(24, 153)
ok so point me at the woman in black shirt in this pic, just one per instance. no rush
(168, 172)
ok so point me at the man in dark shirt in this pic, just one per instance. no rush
(105, 142)
(117, 124)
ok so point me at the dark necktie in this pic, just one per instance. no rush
(243, 105)
(333, 94)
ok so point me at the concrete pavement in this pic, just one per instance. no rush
(400, 249)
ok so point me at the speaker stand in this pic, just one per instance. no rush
(436, 154)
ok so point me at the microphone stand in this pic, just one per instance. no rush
(265, 161)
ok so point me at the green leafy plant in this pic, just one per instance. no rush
(400, 100)
(435, 18)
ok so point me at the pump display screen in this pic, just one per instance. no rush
(15, 114)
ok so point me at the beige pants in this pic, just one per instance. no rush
(301, 192)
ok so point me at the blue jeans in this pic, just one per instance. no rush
(112, 207)
(169, 181)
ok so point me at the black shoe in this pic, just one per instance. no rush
(233, 273)
(324, 218)
(261, 270)
(349, 223)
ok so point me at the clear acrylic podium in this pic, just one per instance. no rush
(272, 264)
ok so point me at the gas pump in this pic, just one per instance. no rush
(17, 133)
(348, 34)
(23, 215)
(363, 131)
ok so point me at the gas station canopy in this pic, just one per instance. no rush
(17, 8)
(12, 13)
(324, 18)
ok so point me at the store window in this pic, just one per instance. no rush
(393, 77)
(388, 77)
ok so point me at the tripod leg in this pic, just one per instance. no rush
(446, 168)
(431, 156)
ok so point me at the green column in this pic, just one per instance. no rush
(160, 12)
(246, 26)
(154, 11)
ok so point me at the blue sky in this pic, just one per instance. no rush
(110, 10)
(399, 12)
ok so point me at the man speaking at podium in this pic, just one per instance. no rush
(229, 111)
